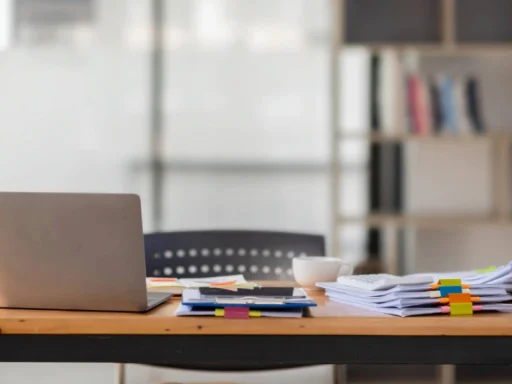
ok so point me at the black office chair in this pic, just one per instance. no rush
(258, 255)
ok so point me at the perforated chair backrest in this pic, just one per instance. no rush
(255, 254)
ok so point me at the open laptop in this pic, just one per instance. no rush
(73, 251)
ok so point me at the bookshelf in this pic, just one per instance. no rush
(429, 28)
(426, 27)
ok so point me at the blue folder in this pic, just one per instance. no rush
(194, 297)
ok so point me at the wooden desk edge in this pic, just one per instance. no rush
(486, 325)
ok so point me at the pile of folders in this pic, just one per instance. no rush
(459, 293)
(244, 303)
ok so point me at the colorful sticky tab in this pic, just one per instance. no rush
(458, 309)
(461, 298)
(436, 286)
(450, 282)
(448, 300)
(219, 312)
(255, 313)
(162, 279)
(492, 268)
(236, 312)
(446, 290)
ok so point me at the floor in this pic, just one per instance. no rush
(28, 373)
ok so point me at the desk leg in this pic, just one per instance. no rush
(121, 373)
(340, 374)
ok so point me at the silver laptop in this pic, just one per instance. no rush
(73, 251)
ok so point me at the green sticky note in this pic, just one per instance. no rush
(450, 282)
(458, 309)
(492, 268)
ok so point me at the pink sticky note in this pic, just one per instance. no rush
(236, 312)
(445, 309)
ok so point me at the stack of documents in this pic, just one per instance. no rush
(424, 294)
(165, 284)
(244, 303)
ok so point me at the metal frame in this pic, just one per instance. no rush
(337, 37)
(215, 351)
(156, 106)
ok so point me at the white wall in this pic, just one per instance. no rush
(65, 118)
(75, 117)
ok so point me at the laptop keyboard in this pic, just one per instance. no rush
(153, 298)
(151, 301)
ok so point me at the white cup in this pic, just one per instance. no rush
(309, 270)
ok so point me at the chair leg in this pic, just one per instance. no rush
(340, 374)
(447, 374)
(121, 374)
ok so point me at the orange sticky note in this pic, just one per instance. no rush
(460, 298)
(230, 282)
(436, 286)
(162, 279)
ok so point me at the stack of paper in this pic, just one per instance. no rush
(484, 290)
(231, 282)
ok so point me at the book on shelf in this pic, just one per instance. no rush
(405, 100)
(375, 84)
(391, 102)
(463, 119)
(453, 105)
(447, 100)
(435, 107)
(473, 103)
(386, 110)
(386, 114)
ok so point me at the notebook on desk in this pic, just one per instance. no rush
(262, 297)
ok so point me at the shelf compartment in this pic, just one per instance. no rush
(394, 137)
(473, 21)
(403, 21)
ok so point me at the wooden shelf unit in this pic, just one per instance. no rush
(453, 49)
(453, 36)
(479, 28)
(439, 221)
(445, 137)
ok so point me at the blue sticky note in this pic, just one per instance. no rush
(446, 290)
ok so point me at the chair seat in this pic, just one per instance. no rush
(231, 367)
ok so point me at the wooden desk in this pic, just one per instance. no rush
(331, 333)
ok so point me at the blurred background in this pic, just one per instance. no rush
(325, 116)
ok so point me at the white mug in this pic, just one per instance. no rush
(309, 270)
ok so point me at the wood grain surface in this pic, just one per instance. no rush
(328, 318)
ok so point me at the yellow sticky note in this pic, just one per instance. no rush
(458, 309)
(219, 312)
(450, 282)
(254, 313)
(492, 268)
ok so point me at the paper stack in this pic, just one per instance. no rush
(455, 293)
(165, 284)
